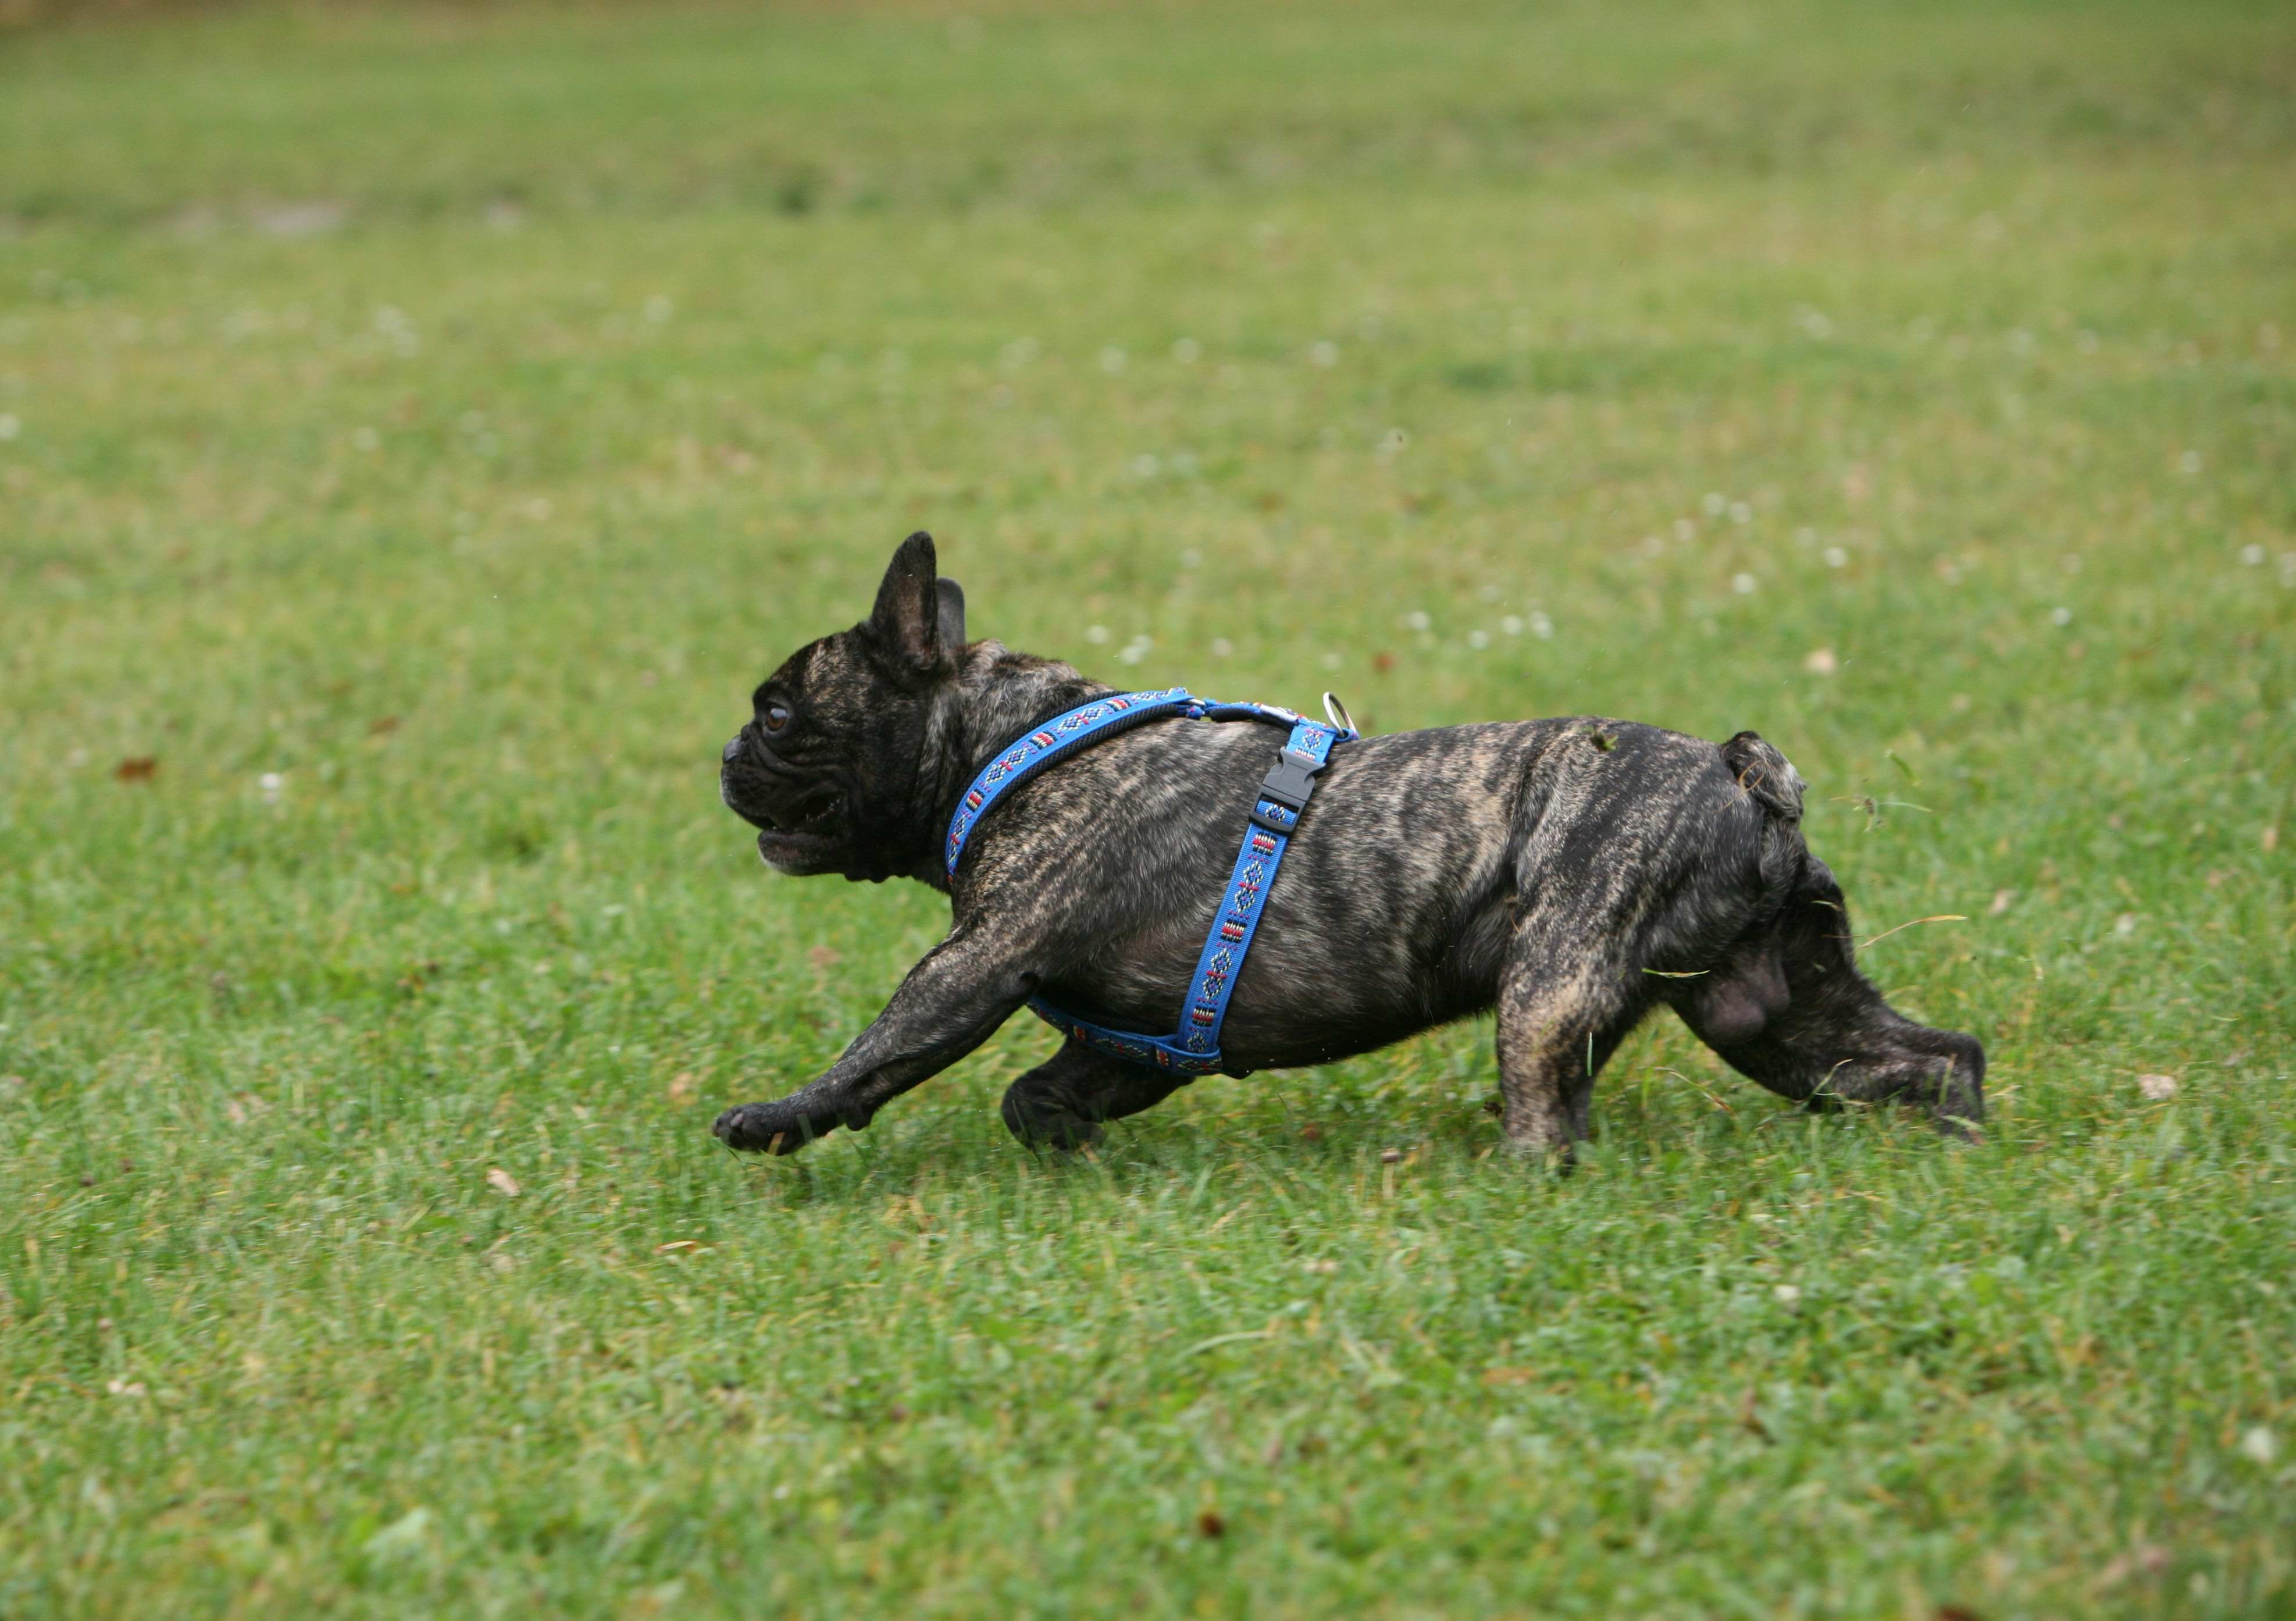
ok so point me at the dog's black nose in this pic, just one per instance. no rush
(732, 749)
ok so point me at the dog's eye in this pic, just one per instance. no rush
(777, 717)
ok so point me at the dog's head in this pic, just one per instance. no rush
(835, 767)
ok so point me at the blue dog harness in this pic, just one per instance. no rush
(1283, 795)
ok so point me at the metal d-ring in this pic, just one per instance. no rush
(1336, 712)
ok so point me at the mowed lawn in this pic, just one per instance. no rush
(419, 430)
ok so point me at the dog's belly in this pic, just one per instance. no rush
(1306, 999)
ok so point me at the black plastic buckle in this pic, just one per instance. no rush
(1288, 783)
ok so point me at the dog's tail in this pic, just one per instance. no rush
(1768, 778)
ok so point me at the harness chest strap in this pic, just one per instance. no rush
(1274, 818)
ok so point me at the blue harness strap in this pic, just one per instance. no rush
(1274, 818)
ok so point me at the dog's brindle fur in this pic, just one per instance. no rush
(1571, 874)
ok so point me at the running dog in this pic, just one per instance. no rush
(1573, 874)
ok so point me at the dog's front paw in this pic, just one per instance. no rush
(1045, 1121)
(766, 1128)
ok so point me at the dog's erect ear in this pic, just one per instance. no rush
(909, 615)
(952, 616)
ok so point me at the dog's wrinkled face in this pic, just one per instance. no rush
(832, 767)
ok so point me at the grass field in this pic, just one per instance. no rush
(419, 430)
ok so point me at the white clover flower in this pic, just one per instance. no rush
(1512, 625)
(1417, 620)
(2060, 617)
(1222, 648)
(1114, 360)
(11, 425)
(1787, 1293)
(1541, 626)
(2260, 1444)
(1684, 530)
(273, 784)
(1740, 513)
(1743, 584)
(1716, 502)
(1144, 466)
(1095, 634)
(2189, 463)
(1187, 351)
(658, 309)
(366, 438)
(2252, 555)
(1325, 352)
(1835, 558)
(1479, 640)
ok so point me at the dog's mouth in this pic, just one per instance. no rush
(799, 819)
(789, 835)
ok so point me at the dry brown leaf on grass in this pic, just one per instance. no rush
(502, 1181)
(681, 1089)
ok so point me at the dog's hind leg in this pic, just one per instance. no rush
(1564, 1004)
(1790, 1009)
(1062, 1102)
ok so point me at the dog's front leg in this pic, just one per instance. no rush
(950, 1003)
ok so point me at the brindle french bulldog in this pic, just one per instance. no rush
(1574, 874)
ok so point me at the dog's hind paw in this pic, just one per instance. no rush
(1553, 1158)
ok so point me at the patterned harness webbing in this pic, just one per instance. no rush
(1275, 815)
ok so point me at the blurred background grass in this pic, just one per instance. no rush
(420, 426)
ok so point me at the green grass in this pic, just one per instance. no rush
(454, 412)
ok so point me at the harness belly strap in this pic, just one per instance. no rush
(1274, 818)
